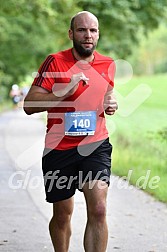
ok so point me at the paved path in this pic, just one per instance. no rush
(137, 223)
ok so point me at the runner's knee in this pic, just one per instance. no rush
(62, 214)
(97, 211)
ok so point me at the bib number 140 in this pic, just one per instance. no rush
(80, 123)
(83, 123)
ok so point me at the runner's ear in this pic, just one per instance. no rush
(70, 34)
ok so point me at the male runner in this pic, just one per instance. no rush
(75, 87)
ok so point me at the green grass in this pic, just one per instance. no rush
(140, 139)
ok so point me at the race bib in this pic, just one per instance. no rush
(80, 123)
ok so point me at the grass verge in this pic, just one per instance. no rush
(140, 139)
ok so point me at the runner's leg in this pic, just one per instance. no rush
(60, 224)
(96, 232)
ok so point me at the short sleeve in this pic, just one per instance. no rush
(111, 74)
(45, 77)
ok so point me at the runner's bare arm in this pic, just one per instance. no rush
(39, 99)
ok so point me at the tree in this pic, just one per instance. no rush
(151, 55)
(31, 29)
(122, 21)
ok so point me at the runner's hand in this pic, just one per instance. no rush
(110, 105)
(74, 83)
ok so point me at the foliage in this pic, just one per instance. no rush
(150, 56)
(31, 29)
(22, 28)
(123, 21)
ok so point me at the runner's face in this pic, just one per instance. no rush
(85, 35)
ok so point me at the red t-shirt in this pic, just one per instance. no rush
(55, 73)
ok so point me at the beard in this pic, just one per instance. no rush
(83, 52)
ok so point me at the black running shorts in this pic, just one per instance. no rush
(65, 171)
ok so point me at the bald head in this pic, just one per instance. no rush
(82, 14)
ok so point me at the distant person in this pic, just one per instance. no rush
(15, 94)
(75, 87)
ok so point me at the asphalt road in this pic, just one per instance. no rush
(137, 222)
